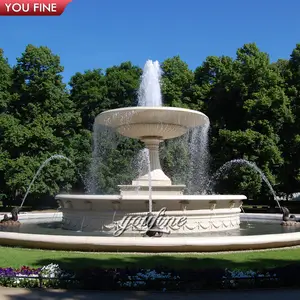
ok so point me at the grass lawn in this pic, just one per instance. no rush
(17, 257)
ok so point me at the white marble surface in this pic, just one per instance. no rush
(146, 244)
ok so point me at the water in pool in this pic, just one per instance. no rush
(246, 228)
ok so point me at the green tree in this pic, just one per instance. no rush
(44, 123)
(178, 87)
(290, 137)
(89, 95)
(122, 83)
(5, 82)
(5, 98)
(248, 107)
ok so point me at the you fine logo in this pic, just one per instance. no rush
(33, 7)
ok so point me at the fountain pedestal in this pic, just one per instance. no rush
(157, 176)
(161, 184)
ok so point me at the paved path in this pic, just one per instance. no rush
(23, 294)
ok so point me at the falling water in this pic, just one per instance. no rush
(92, 179)
(149, 93)
(150, 180)
(140, 164)
(175, 152)
(105, 139)
(199, 159)
(228, 165)
(246, 217)
(144, 167)
(45, 163)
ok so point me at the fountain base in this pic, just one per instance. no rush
(180, 214)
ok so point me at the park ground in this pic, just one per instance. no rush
(23, 294)
(17, 257)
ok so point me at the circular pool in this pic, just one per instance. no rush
(257, 231)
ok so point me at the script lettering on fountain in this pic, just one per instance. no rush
(155, 222)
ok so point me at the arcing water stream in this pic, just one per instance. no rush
(252, 165)
(44, 164)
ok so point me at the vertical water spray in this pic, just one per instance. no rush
(199, 159)
(149, 93)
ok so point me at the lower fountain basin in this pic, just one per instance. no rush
(257, 231)
(183, 214)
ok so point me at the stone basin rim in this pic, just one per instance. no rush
(163, 109)
(154, 197)
(153, 108)
(155, 245)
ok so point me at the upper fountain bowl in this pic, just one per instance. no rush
(146, 122)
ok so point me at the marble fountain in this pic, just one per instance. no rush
(152, 214)
(183, 213)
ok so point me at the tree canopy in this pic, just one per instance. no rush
(253, 105)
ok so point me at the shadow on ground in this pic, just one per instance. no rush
(16, 294)
(172, 261)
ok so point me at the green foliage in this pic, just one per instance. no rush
(40, 121)
(177, 83)
(122, 83)
(253, 106)
(5, 82)
(290, 171)
(248, 108)
(89, 95)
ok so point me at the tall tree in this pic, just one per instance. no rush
(290, 171)
(248, 107)
(122, 84)
(5, 98)
(5, 82)
(178, 87)
(44, 124)
(89, 95)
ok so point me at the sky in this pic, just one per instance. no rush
(99, 34)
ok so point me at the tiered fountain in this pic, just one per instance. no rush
(126, 212)
(152, 205)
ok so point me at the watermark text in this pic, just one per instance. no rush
(33, 7)
(157, 222)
